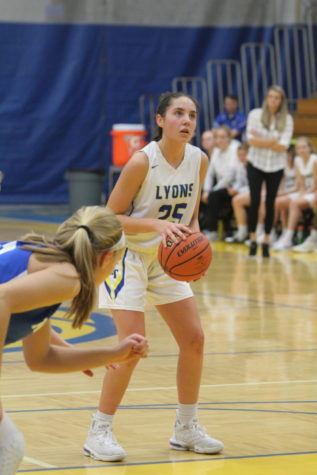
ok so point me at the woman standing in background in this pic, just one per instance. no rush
(269, 133)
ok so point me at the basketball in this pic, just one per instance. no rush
(186, 259)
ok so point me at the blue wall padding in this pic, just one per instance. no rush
(63, 86)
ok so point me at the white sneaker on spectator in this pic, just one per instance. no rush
(101, 444)
(237, 237)
(194, 437)
(211, 235)
(309, 245)
(282, 244)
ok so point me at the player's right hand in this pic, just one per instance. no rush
(172, 231)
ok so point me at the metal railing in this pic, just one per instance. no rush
(293, 65)
(289, 62)
(147, 109)
(223, 77)
(310, 18)
(258, 72)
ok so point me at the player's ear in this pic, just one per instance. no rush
(159, 120)
(104, 258)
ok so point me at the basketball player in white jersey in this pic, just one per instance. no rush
(157, 197)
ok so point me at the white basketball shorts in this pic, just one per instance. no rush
(138, 279)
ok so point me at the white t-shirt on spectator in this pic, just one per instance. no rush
(266, 159)
(220, 166)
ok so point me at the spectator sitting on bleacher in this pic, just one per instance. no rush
(231, 117)
(217, 182)
(208, 142)
(306, 178)
(310, 243)
(287, 187)
(241, 197)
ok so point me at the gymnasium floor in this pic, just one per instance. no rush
(259, 386)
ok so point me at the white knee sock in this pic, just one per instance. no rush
(186, 413)
(11, 447)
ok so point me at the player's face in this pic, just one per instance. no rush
(180, 119)
(107, 263)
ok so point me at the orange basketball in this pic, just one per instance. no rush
(186, 259)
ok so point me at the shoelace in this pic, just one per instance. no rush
(197, 431)
(104, 431)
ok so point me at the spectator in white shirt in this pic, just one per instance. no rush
(208, 142)
(217, 182)
(269, 132)
(241, 198)
(304, 197)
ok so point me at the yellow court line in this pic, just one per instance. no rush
(274, 465)
(38, 462)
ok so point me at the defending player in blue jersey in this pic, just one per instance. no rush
(37, 274)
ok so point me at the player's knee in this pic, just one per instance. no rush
(194, 343)
(11, 447)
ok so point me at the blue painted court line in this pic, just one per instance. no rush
(221, 353)
(151, 408)
(257, 302)
(211, 459)
(37, 217)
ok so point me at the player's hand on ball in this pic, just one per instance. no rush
(186, 259)
(172, 231)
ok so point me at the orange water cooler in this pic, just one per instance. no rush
(126, 139)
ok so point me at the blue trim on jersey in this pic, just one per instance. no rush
(14, 262)
(114, 283)
(24, 323)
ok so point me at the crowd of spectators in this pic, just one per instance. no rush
(261, 184)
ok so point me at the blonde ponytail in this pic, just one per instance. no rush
(80, 240)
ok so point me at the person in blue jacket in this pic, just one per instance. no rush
(37, 274)
(232, 117)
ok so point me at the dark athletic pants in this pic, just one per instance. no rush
(272, 181)
(217, 200)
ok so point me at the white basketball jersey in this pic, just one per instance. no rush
(306, 169)
(166, 193)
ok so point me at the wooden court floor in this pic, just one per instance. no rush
(259, 385)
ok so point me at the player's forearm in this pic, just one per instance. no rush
(262, 142)
(138, 225)
(56, 339)
(64, 360)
